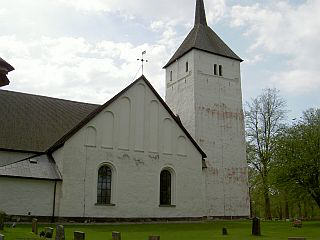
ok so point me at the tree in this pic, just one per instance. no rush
(264, 119)
(298, 155)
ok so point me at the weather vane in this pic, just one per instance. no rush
(142, 60)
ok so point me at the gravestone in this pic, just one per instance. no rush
(48, 232)
(2, 218)
(256, 230)
(1, 237)
(35, 226)
(79, 235)
(224, 231)
(60, 233)
(154, 238)
(116, 236)
(297, 223)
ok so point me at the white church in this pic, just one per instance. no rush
(136, 156)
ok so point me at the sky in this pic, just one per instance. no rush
(87, 50)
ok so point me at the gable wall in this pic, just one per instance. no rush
(137, 145)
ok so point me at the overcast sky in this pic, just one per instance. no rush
(86, 50)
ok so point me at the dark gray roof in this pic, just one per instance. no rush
(3, 73)
(39, 167)
(33, 123)
(5, 65)
(202, 37)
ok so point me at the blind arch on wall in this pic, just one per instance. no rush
(124, 123)
(108, 134)
(91, 136)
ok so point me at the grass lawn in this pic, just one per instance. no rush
(175, 231)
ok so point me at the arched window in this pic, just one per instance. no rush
(165, 187)
(104, 185)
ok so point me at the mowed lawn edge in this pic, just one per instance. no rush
(240, 230)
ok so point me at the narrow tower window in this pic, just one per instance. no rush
(220, 70)
(187, 66)
(170, 75)
(215, 69)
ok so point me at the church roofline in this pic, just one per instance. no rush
(203, 38)
(94, 113)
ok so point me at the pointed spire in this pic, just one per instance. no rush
(200, 13)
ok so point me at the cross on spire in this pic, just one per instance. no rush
(142, 60)
(200, 17)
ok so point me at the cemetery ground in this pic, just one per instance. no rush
(175, 231)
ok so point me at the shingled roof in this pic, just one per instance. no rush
(33, 123)
(202, 37)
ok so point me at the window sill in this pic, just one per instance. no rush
(105, 205)
(169, 206)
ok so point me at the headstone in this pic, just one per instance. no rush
(42, 234)
(60, 233)
(116, 236)
(48, 232)
(14, 225)
(79, 235)
(224, 231)
(35, 226)
(297, 238)
(1, 237)
(154, 238)
(2, 218)
(297, 223)
(256, 230)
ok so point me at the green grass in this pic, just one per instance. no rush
(237, 230)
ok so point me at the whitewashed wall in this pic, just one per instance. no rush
(19, 196)
(217, 125)
(137, 138)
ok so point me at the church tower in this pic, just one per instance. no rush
(203, 86)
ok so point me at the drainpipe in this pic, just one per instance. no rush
(54, 200)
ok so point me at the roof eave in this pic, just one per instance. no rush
(176, 59)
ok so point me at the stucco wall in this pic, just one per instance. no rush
(218, 127)
(19, 196)
(137, 138)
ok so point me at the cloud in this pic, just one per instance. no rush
(76, 69)
(180, 10)
(292, 31)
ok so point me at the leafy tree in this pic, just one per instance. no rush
(298, 156)
(264, 119)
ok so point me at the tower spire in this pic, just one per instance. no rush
(200, 17)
